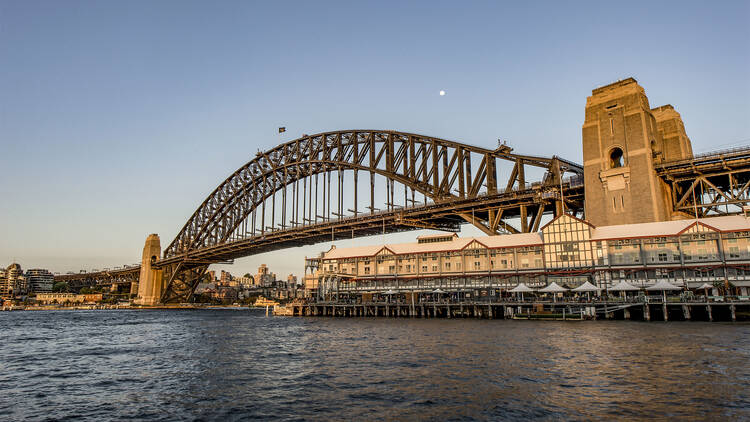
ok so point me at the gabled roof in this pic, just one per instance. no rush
(457, 244)
(727, 223)
(567, 216)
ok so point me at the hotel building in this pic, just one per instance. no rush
(568, 251)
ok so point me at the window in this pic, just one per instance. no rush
(504, 263)
(458, 265)
(477, 265)
(448, 266)
(367, 270)
(408, 268)
(615, 158)
(662, 257)
(424, 268)
(434, 267)
(391, 269)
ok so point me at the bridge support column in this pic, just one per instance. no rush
(150, 283)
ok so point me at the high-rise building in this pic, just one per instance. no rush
(39, 280)
(225, 278)
(14, 282)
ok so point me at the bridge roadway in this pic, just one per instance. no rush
(441, 215)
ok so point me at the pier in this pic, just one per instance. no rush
(541, 310)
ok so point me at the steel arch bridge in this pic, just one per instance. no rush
(351, 183)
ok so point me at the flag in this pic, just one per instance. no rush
(282, 129)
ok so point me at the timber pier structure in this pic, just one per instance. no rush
(730, 311)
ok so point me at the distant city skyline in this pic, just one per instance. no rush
(116, 120)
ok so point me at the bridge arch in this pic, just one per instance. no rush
(438, 169)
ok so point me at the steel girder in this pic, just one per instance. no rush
(123, 276)
(712, 184)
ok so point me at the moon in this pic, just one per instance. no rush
(442, 92)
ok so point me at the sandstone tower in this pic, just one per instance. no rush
(623, 138)
(150, 285)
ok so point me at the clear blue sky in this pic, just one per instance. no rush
(118, 118)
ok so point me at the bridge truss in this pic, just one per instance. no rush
(717, 183)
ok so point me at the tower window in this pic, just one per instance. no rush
(615, 158)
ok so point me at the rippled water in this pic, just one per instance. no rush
(239, 364)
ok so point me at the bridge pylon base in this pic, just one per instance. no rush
(150, 283)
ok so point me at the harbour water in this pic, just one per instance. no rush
(240, 364)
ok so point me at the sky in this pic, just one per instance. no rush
(117, 119)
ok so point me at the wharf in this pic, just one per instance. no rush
(640, 311)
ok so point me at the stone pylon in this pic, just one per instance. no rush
(150, 284)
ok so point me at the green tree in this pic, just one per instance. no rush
(60, 287)
(85, 290)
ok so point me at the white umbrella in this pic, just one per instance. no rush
(623, 286)
(554, 288)
(705, 288)
(437, 291)
(521, 288)
(663, 286)
(390, 292)
(588, 288)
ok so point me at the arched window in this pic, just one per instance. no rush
(615, 158)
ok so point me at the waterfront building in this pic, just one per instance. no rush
(39, 280)
(14, 281)
(62, 298)
(567, 251)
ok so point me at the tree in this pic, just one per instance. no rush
(247, 275)
(85, 290)
(60, 287)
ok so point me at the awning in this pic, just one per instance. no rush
(438, 291)
(623, 286)
(663, 285)
(521, 288)
(553, 288)
(705, 286)
(586, 287)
